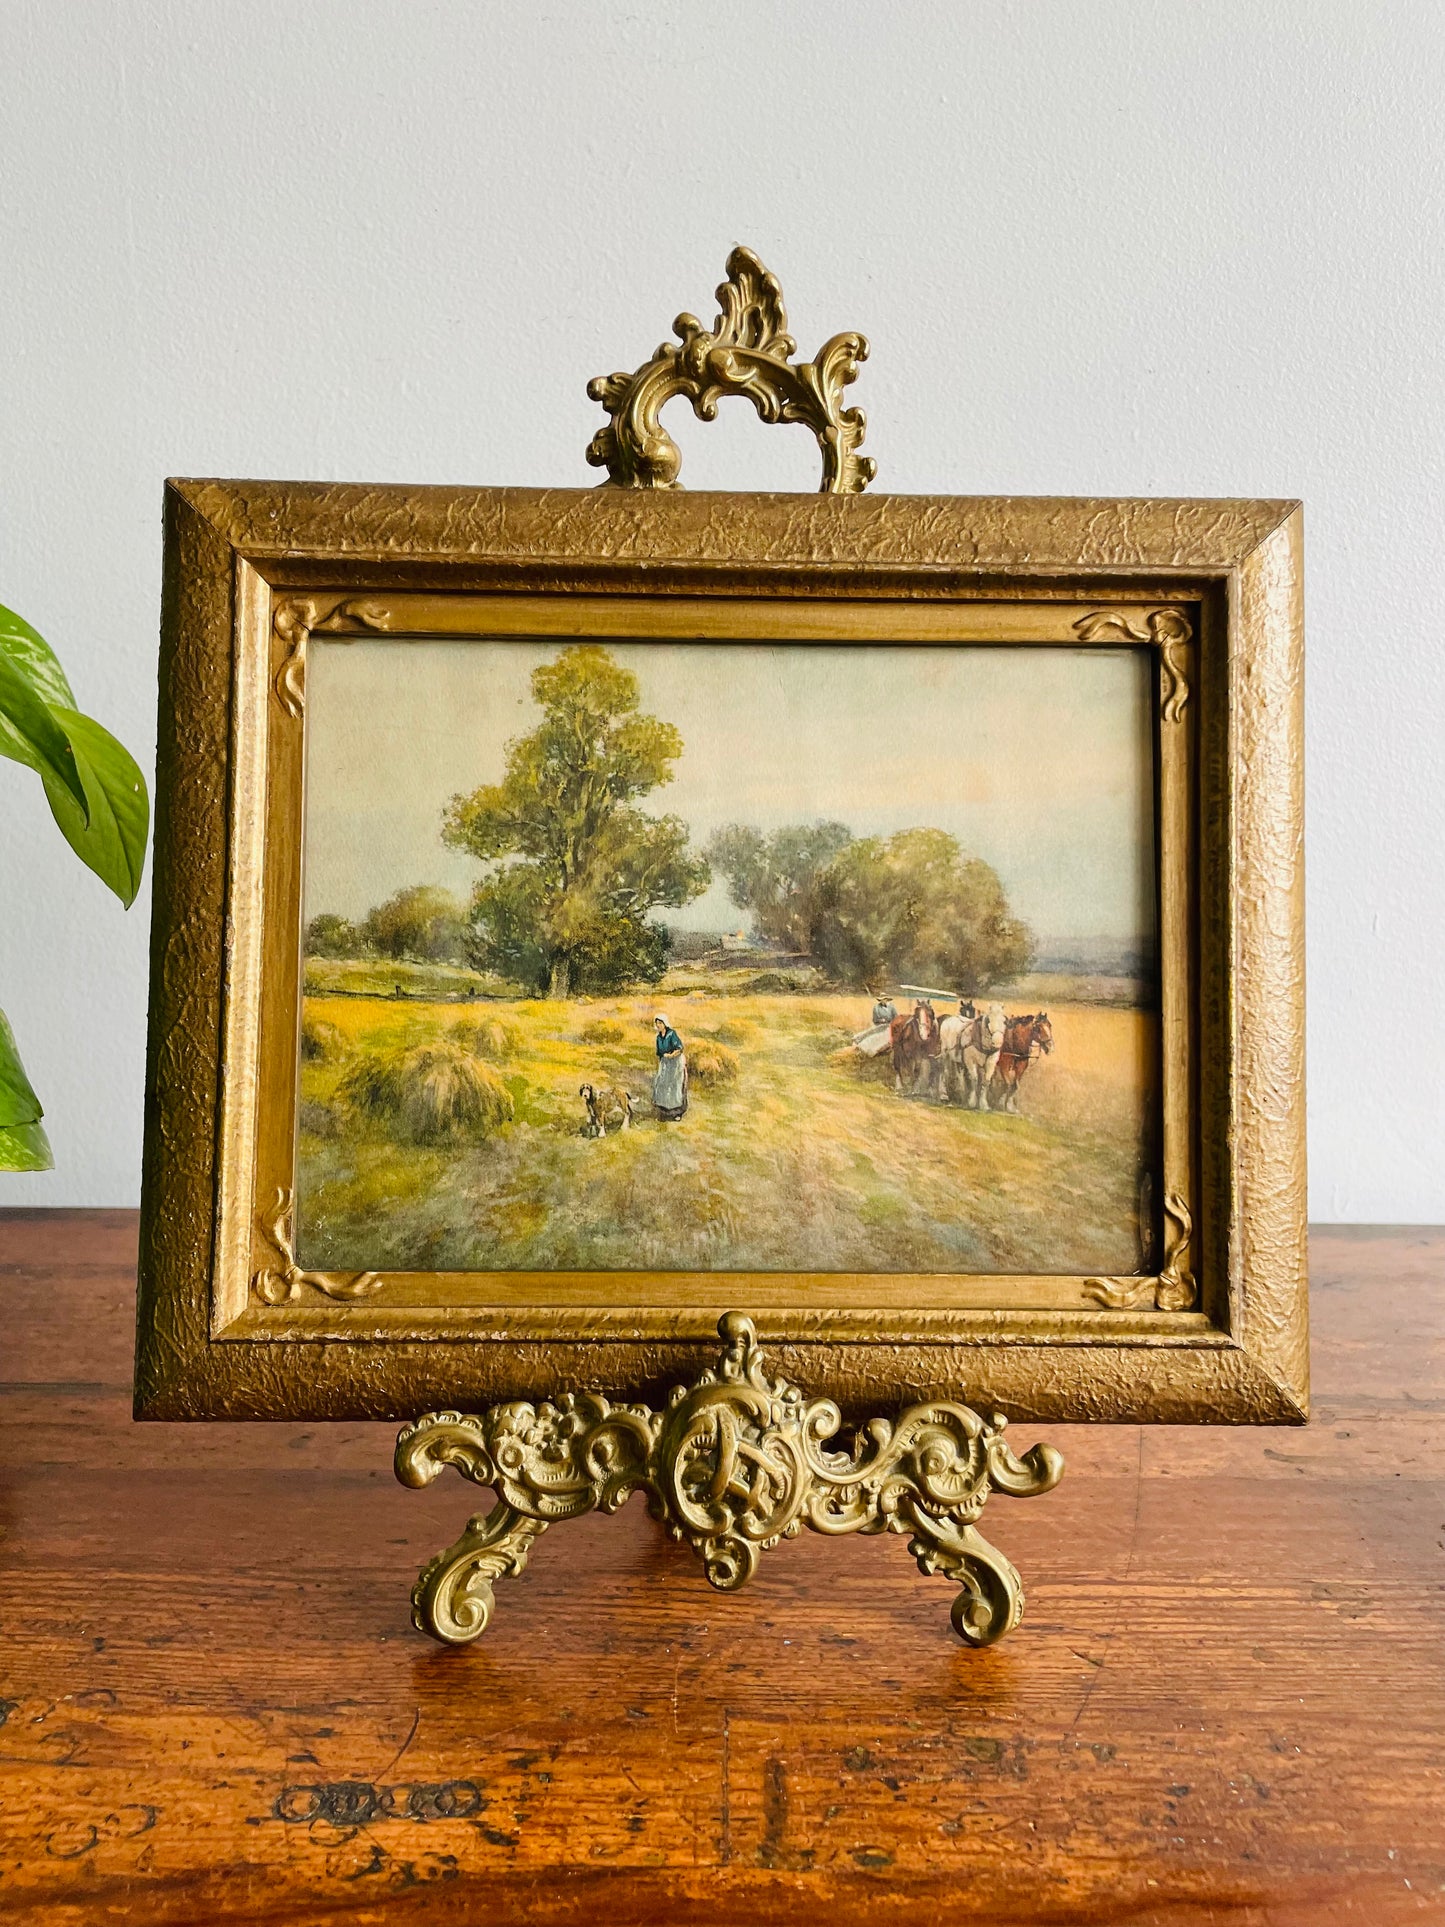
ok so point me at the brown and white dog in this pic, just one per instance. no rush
(605, 1105)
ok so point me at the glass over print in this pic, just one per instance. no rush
(729, 956)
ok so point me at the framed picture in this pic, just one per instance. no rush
(580, 913)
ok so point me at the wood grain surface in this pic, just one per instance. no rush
(1226, 1703)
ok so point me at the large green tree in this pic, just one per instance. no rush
(575, 866)
(915, 906)
(777, 876)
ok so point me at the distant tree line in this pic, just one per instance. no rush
(421, 924)
(872, 910)
(575, 869)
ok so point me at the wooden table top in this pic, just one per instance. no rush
(1226, 1703)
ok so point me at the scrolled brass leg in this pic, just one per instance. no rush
(453, 1600)
(991, 1602)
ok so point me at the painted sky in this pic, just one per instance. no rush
(1038, 759)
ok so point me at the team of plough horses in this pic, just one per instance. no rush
(974, 1057)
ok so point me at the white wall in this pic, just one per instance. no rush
(1099, 249)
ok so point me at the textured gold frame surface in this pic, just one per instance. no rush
(230, 1325)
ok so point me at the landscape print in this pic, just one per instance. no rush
(697, 957)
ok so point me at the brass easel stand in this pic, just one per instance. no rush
(734, 1464)
(737, 1461)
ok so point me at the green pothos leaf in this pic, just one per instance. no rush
(110, 833)
(97, 795)
(96, 791)
(32, 733)
(18, 1102)
(33, 683)
(33, 656)
(25, 1147)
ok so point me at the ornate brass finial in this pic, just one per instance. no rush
(736, 1463)
(748, 352)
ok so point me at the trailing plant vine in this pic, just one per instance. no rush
(98, 798)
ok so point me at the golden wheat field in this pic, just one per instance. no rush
(452, 1137)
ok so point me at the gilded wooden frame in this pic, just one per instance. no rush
(230, 1326)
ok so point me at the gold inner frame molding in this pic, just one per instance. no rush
(266, 1014)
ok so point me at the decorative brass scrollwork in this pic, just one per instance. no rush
(281, 1279)
(297, 620)
(1169, 630)
(748, 352)
(733, 1465)
(1173, 1290)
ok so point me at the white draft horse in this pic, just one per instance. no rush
(971, 1046)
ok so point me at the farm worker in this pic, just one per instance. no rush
(884, 1010)
(669, 1086)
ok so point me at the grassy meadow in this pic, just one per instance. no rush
(796, 1153)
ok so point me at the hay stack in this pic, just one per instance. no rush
(710, 1065)
(434, 1093)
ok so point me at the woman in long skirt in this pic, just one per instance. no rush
(669, 1086)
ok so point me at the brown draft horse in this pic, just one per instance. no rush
(917, 1047)
(1023, 1039)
